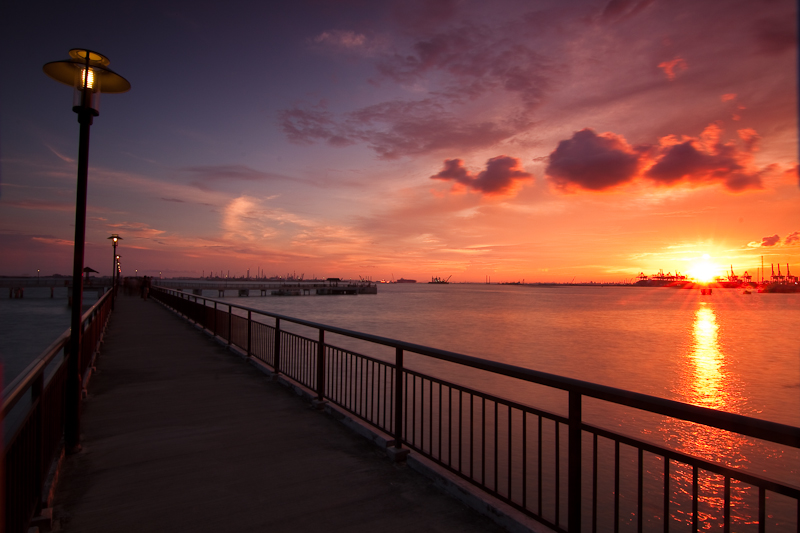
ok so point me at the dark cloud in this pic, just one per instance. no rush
(623, 9)
(229, 172)
(775, 36)
(503, 175)
(396, 128)
(460, 65)
(600, 162)
(306, 126)
(687, 161)
(792, 238)
(770, 241)
(416, 15)
(477, 62)
(591, 161)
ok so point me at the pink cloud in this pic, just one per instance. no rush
(593, 162)
(671, 68)
(503, 176)
(792, 238)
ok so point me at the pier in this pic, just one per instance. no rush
(329, 287)
(182, 435)
(192, 421)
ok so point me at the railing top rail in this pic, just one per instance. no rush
(743, 425)
(19, 386)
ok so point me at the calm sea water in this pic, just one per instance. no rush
(730, 351)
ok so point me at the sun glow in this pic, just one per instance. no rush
(704, 270)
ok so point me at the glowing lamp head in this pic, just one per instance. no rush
(88, 73)
(114, 238)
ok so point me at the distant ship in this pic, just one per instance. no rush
(403, 280)
(441, 281)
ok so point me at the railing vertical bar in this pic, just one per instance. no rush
(524, 460)
(249, 331)
(414, 410)
(640, 494)
(762, 510)
(510, 414)
(557, 461)
(471, 434)
(450, 426)
(695, 488)
(374, 385)
(726, 520)
(460, 427)
(539, 467)
(321, 366)
(430, 416)
(277, 347)
(230, 324)
(574, 461)
(398, 401)
(495, 487)
(594, 483)
(666, 495)
(616, 486)
(483, 441)
(439, 422)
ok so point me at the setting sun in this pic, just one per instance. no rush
(704, 271)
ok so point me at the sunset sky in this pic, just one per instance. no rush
(536, 140)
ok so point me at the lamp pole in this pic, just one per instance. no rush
(114, 278)
(87, 72)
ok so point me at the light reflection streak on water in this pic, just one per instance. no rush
(706, 383)
(708, 386)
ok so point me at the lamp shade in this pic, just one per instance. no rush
(88, 73)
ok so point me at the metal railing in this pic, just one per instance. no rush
(36, 438)
(546, 465)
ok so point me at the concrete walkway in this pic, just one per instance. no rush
(181, 435)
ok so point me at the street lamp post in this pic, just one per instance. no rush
(114, 279)
(88, 73)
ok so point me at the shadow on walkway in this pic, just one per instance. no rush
(181, 435)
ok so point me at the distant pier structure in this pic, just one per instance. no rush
(17, 285)
(327, 287)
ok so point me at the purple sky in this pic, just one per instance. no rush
(537, 140)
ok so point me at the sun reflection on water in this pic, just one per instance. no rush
(707, 387)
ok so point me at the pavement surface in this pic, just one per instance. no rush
(179, 434)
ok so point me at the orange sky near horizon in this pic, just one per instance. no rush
(520, 140)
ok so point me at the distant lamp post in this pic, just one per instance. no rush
(88, 73)
(114, 268)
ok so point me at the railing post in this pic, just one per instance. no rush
(215, 319)
(398, 398)
(230, 323)
(249, 330)
(321, 366)
(277, 349)
(574, 460)
(37, 389)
